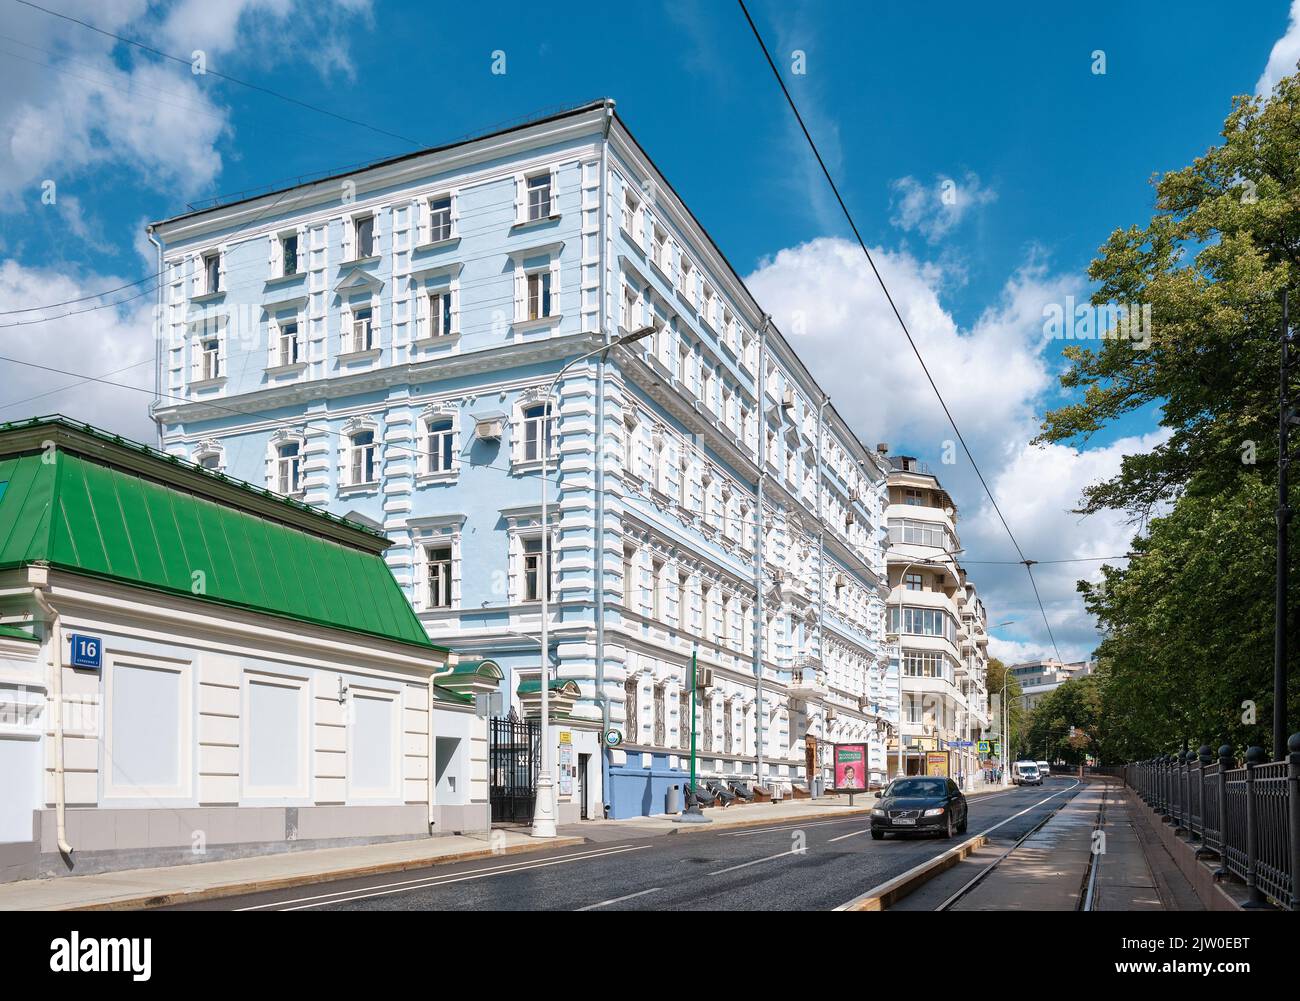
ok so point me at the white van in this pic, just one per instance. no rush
(1045, 769)
(1026, 773)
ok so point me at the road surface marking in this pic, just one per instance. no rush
(851, 834)
(619, 900)
(788, 827)
(358, 893)
(746, 865)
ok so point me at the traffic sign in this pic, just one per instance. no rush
(983, 746)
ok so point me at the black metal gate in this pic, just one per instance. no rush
(514, 756)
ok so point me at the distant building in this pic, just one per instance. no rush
(1039, 677)
(940, 624)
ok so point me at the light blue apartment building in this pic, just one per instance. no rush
(380, 343)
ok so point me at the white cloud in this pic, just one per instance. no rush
(72, 100)
(116, 340)
(996, 377)
(935, 209)
(1286, 52)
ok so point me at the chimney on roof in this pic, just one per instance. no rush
(882, 447)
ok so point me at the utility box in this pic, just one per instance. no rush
(673, 799)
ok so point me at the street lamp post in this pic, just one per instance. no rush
(544, 808)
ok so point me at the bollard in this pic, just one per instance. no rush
(1225, 765)
(1293, 802)
(1255, 757)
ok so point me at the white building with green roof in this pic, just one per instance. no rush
(235, 671)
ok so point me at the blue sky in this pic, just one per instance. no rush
(1046, 157)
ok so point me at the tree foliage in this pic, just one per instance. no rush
(1187, 625)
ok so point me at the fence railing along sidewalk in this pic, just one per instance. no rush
(1247, 816)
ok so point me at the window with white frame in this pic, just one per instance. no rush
(209, 459)
(288, 254)
(361, 330)
(540, 300)
(631, 319)
(441, 316)
(629, 579)
(209, 368)
(657, 586)
(288, 468)
(706, 311)
(440, 219)
(533, 570)
(661, 250)
(212, 272)
(440, 445)
(538, 432)
(631, 219)
(686, 279)
(363, 458)
(438, 563)
(539, 196)
(363, 232)
(288, 344)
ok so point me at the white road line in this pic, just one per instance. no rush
(619, 900)
(357, 893)
(788, 827)
(746, 865)
(990, 830)
(851, 834)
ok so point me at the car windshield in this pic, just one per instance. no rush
(917, 787)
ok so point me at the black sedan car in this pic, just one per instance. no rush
(919, 804)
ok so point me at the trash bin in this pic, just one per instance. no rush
(819, 785)
(673, 799)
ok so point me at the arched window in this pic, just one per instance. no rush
(288, 467)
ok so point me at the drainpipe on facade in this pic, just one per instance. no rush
(759, 611)
(599, 445)
(157, 334)
(430, 777)
(56, 697)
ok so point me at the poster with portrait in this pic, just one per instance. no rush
(851, 767)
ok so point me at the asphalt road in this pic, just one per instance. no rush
(816, 865)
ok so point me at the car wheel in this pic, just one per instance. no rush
(877, 835)
(947, 826)
(964, 822)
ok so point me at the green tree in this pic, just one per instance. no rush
(994, 679)
(1187, 625)
(1076, 704)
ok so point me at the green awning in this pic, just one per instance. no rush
(565, 686)
(119, 511)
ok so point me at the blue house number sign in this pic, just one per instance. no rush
(87, 651)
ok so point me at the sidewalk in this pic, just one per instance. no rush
(1050, 870)
(137, 888)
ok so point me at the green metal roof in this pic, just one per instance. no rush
(488, 669)
(118, 511)
(565, 686)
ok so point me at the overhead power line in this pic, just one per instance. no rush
(1027, 563)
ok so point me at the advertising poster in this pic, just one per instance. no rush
(851, 767)
(936, 763)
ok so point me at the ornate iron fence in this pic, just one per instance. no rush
(1247, 816)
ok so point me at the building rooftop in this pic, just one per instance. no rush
(79, 499)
